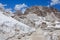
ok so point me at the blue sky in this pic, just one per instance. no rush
(12, 3)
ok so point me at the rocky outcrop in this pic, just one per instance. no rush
(37, 23)
(43, 19)
(10, 28)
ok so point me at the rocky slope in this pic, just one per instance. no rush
(43, 18)
(37, 23)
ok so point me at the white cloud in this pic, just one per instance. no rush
(21, 7)
(54, 2)
(2, 5)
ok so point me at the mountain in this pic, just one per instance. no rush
(41, 18)
(37, 22)
(41, 10)
(38, 13)
(12, 27)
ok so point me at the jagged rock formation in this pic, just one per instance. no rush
(36, 14)
(37, 23)
(40, 17)
(11, 27)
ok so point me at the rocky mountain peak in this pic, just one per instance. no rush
(38, 22)
(41, 10)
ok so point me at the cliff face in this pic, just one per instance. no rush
(43, 19)
(37, 23)
(40, 10)
(36, 14)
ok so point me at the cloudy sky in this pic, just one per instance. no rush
(18, 4)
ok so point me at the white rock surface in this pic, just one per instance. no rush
(10, 27)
